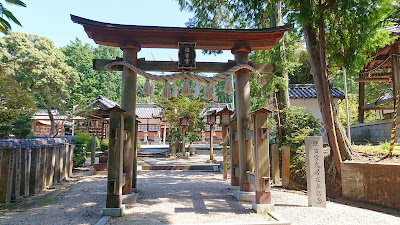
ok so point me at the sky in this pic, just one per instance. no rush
(51, 19)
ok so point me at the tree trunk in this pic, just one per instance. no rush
(53, 126)
(282, 95)
(316, 54)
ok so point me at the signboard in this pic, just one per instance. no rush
(187, 55)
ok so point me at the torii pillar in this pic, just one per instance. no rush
(128, 103)
(241, 53)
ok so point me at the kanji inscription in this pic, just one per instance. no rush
(187, 55)
(316, 191)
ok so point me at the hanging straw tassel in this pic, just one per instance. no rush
(175, 91)
(152, 92)
(208, 92)
(215, 97)
(196, 90)
(166, 91)
(263, 81)
(228, 85)
(147, 87)
(186, 88)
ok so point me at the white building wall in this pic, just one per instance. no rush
(310, 105)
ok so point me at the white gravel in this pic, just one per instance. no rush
(177, 197)
(293, 206)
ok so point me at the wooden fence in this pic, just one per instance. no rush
(28, 166)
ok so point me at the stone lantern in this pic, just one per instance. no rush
(184, 122)
(211, 119)
(225, 119)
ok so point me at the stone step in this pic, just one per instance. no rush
(100, 166)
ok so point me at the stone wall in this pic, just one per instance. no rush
(376, 183)
(374, 132)
(28, 166)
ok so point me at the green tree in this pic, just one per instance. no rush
(172, 109)
(92, 83)
(39, 68)
(5, 26)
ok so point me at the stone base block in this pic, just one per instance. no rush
(245, 196)
(262, 208)
(130, 198)
(234, 188)
(100, 166)
(117, 212)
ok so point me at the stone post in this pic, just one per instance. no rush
(183, 142)
(225, 151)
(211, 142)
(61, 163)
(7, 160)
(164, 133)
(261, 162)
(93, 151)
(285, 166)
(275, 165)
(234, 155)
(243, 116)
(128, 104)
(316, 191)
(114, 205)
(57, 164)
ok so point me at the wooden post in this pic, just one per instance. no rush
(25, 168)
(243, 116)
(43, 168)
(164, 133)
(35, 168)
(93, 151)
(395, 73)
(361, 100)
(183, 142)
(275, 165)
(51, 162)
(71, 155)
(128, 104)
(7, 160)
(115, 160)
(234, 153)
(225, 151)
(285, 166)
(135, 150)
(17, 174)
(261, 157)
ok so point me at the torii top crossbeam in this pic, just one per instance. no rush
(118, 35)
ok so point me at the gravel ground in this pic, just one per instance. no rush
(78, 201)
(178, 197)
(293, 206)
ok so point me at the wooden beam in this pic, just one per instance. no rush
(372, 79)
(380, 108)
(171, 66)
(379, 102)
(380, 75)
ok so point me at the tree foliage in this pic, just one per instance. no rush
(39, 69)
(5, 26)
(92, 83)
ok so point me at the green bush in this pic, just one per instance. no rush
(299, 125)
(138, 146)
(22, 127)
(82, 143)
(104, 145)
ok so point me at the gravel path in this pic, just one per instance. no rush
(293, 206)
(178, 197)
(78, 201)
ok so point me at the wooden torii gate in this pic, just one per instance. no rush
(131, 38)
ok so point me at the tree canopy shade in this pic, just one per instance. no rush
(5, 26)
(39, 68)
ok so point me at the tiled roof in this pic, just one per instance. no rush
(103, 103)
(308, 91)
(395, 29)
(145, 110)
